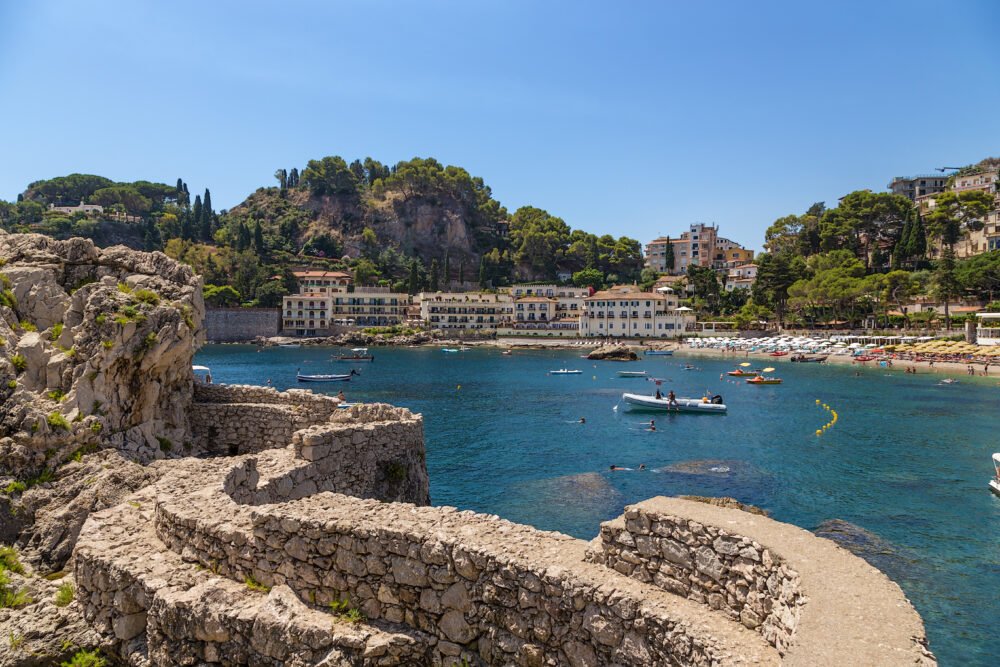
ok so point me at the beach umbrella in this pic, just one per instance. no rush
(745, 363)
(768, 370)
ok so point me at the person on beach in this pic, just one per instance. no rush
(340, 395)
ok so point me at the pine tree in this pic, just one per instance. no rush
(434, 275)
(593, 257)
(258, 239)
(206, 217)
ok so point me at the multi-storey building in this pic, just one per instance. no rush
(918, 186)
(569, 300)
(741, 277)
(466, 310)
(307, 314)
(371, 306)
(701, 245)
(322, 282)
(625, 310)
(540, 309)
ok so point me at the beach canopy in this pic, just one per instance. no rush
(201, 368)
(745, 363)
(769, 370)
(684, 309)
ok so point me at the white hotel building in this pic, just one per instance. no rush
(625, 310)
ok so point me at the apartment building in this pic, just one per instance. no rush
(322, 282)
(371, 306)
(701, 245)
(536, 309)
(466, 310)
(918, 186)
(625, 310)
(569, 300)
(741, 277)
(307, 314)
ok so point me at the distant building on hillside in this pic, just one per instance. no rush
(918, 186)
(625, 310)
(80, 208)
(701, 245)
(741, 277)
(322, 282)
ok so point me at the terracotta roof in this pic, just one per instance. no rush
(320, 274)
(624, 292)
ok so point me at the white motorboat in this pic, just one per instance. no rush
(995, 482)
(632, 374)
(565, 371)
(290, 345)
(709, 405)
(449, 349)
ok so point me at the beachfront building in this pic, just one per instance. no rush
(918, 186)
(539, 309)
(307, 314)
(371, 306)
(988, 329)
(742, 276)
(457, 311)
(569, 300)
(625, 310)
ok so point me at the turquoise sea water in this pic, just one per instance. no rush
(907, 463)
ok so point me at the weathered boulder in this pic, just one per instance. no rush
(614, 353)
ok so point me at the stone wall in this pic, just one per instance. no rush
(239, 419)
(241, 325)
(727, 571)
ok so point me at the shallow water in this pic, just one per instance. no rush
(907, 462)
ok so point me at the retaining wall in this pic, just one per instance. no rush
(238, 325)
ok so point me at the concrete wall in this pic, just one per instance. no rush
(234, 325)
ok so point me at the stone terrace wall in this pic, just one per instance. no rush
(240, 419)
(815, 602)
(488, 590)
(711, 565)
(235, 325)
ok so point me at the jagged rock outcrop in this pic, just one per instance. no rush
(95, 351)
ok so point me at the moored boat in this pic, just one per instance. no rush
(995, 482)
(449, 349)
(659, 353)
(779, 353)
(344, 377)
(565, 371)
(809, 359)
(707, 405)
(290, 345)
(760, 379)
(740, 372)
(632, 374)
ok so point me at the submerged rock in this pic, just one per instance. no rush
(614, 353)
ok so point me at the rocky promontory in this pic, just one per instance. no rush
(614, 353)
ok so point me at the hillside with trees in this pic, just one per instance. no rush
(412, 226)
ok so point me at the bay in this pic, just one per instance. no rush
(906, 464)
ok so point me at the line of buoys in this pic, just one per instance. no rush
(833, 417)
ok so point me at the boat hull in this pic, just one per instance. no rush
(659, 353)
(353, 359)
(995, 487)
(692, 405)
(323, 378)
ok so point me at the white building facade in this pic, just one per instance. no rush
(626, 311)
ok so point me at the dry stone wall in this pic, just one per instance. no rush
(728, 572)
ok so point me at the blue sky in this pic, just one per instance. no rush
(633, 118)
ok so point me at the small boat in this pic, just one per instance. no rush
(507, 353)
(290, 345)
(565, 371)
(864, 357)
(778, 353)
(760, 379)
(327, 378)
(632, 374)
(708, 405)
(948, 381)
(741, 372)
(464, 348)
(995, 482)
(806, 359)
(689, 367)
(357, 354)
(659, 353)
(449, 349)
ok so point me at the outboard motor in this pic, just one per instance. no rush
(717, 399)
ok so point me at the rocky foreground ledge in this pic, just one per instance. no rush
(231, 525)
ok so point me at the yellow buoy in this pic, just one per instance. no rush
(817, 401)
(458, 387)
(818, 432)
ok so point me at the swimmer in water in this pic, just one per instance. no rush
(583, 420)
(642, 466)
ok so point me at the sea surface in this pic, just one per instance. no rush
(901, 476)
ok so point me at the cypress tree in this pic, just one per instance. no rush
(434, 275)
(196, 214)
(242, 237)
(918, 242)
(900, 253)
(258, 239)
(447, 267)
(668, 256)
(293, 178)
(206, 217)
(483, 275)
(414, 277)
